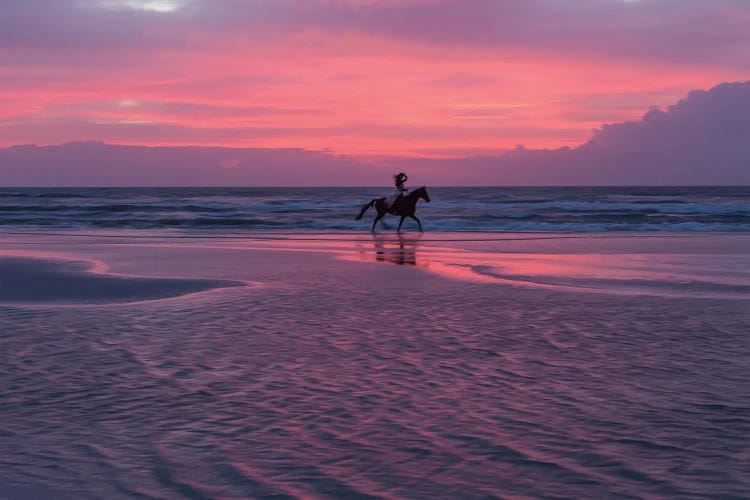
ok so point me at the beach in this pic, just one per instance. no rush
(374, 249)
(341, 365)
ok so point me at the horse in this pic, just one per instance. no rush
(405, 206)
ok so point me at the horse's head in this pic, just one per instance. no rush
(422, 193)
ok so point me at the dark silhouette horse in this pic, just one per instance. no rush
(405, 206)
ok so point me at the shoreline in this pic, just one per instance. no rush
(685, 265)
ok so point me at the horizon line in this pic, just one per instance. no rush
(570, 186)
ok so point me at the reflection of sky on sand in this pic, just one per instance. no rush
(611, 273)
(671, 274)
(693, 266)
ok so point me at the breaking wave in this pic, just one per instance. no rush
(452, 209)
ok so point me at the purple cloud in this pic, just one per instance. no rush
(98, 164)
(702, 140)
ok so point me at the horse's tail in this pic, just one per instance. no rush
(364, 209)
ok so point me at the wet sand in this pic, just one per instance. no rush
(28, 280)
(446, 365)
(77, 263)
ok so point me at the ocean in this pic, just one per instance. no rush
(555, 209)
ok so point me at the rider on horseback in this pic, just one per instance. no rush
(402, 204)
(401, 190)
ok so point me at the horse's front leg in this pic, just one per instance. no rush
(400, 222)
(419, 223)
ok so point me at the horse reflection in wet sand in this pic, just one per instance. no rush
(403, 255)
(404, 207)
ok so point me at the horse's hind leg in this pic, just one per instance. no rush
(377, 218)
(420, 224)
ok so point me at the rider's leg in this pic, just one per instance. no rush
(390, 202)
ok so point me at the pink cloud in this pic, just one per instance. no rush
(356, 77)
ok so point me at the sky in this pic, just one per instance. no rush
(364, 78)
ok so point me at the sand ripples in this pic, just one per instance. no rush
(470, 392)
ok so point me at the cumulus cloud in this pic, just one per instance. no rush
(703, 139)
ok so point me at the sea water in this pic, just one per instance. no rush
(576, 209)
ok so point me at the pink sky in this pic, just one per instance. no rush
(431, 78)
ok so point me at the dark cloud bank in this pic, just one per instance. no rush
(679, 31)
(99, 164)
(702, 140)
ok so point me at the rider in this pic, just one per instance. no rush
(401, 190)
